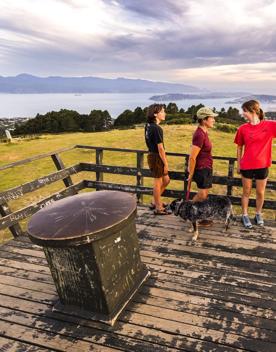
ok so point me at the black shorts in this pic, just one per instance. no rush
(203, 178)
(257, 174)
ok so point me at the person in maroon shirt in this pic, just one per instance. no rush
(200, 165)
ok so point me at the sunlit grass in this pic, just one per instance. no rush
(177, 139)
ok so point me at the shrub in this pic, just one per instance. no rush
(226, 127)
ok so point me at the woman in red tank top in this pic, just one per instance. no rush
(254, 156)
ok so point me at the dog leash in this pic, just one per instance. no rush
(188, 190)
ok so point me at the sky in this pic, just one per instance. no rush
(213, 44)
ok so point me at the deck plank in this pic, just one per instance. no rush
(215, 295)
(8, 345)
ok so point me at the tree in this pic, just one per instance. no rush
(233, 114)
(100, 120)
(107, 120)
(172, 108)
(124, 119)
(138, 116)
(193, 109)
(88, 123)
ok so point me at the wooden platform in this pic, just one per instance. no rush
(216, 295)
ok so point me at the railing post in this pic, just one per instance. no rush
(139, 177)
(60, 166)
(185, 181)
(14, 229)
(230, 177)
(99, 161)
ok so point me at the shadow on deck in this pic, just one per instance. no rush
(216, 295)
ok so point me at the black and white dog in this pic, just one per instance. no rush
(219, 207)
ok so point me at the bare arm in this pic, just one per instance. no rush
(239, 155)
(192, 160)
(162, 154)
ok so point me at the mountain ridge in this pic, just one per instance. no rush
(27, 83)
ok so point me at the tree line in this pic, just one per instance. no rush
(98, 120)
(174, 115)
(66, 121)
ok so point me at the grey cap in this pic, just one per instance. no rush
(204, 112)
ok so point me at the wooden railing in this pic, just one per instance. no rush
(11, 219)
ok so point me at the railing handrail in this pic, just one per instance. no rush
(217, 157)
(125, 150)
(35, 157)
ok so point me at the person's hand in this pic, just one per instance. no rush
(238, 169)
(166, 169)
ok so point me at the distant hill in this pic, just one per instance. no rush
(262, 98)
(25, 83)
(179, 96)
(271, 115)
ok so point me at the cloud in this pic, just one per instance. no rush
(153, 40)
(155, 10)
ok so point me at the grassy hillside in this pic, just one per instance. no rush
(177, 139)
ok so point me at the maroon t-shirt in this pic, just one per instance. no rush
(204, 158)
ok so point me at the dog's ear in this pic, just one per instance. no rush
(172, 205)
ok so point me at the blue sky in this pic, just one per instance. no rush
(210, 44)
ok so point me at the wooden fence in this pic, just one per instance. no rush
(11, 219)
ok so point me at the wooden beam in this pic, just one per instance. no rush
(268, 204)
(60, 166)
(99, 161)
(33, 158)
(230, 177)
(139, 177)
(144, 151)
(22, 214)
(17, 192)
(174, 175)
(5, 211)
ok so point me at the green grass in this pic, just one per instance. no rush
(177, 139)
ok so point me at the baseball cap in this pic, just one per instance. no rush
(204, 112)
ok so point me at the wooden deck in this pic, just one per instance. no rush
(216, 295)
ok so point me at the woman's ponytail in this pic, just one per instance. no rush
(261, 115)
